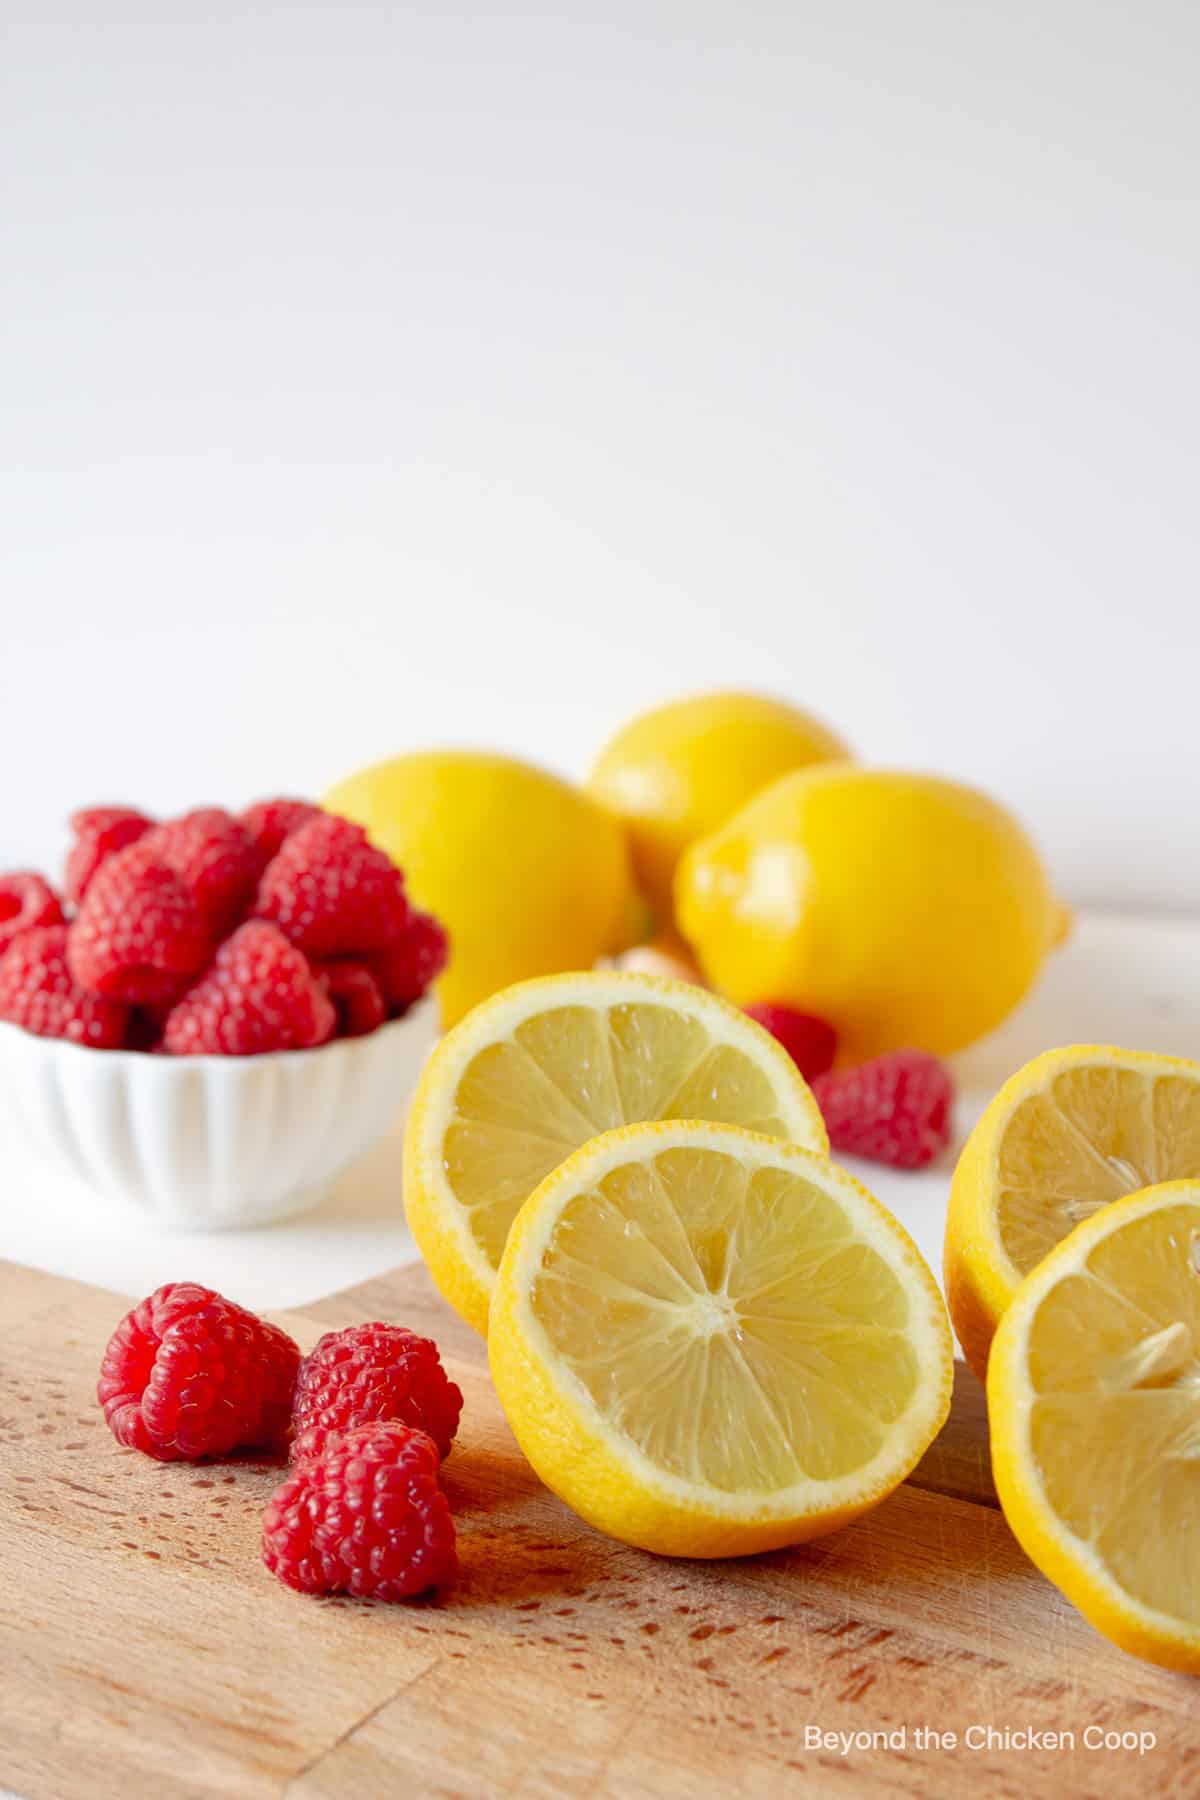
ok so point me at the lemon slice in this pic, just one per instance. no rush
(709, 1343)
(533, 1073)
(1072, 1131)
(1094, 1402)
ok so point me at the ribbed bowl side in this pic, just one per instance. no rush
(209, 1143)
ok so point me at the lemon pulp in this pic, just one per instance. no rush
(564, 1076)
(1066, 1136)
(728, 1321)
(709, 1343)
(1094, 1133)
(532, 1075)
(1094, 1390)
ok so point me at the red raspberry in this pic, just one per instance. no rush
(38, 992)
(331, 892)
(366, 1517)
(809, 1041)
(369, 1372)
(26, 902)
(139, 936)
(215, 858)
(99, 832)
(259, 995)
(406, 968)
(355, 994)
(269, 822)
(895, 1109)
(189, 1374)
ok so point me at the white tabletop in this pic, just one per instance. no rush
(1123, 980)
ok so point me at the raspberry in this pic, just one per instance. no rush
(259, 995)
(355, 994)
(809, 1041)
(895, 1109)
(99, 832)
(331, 892)
(26, 902)
(189, 1374)
(407, 967)
(139, 936)
(366, 1517)
(38, 992)
(214, 856)
(369, 1372)
(269, 822)
(145, 1029)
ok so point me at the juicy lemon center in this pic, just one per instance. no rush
(567, 1074)
(728, 1321)
(714, 1313)
(1114, 1358)
(1092, 1135)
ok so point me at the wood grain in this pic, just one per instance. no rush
(145, 1651)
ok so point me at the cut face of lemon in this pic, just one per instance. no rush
(1071, 1132)
(534, 1073)
(708, 1343)
(1094, 1402)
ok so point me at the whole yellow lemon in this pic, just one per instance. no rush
(528, 875)
(675, 773)
(903, 909)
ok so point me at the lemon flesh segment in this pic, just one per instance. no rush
(1094, 1395)
(1070, 1133)
(532, 1075)
(709, 1343)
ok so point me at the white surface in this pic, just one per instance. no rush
(207, 1142)
(357, 1232)
(1121, 980)
(376, 375)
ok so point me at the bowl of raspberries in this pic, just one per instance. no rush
(215, 1014)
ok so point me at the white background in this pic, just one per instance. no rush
(385, 374)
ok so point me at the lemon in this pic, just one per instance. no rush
(663, 954)
(906, 910)
(527, 874)
(675, 773)
(532, 1074)
(708, 1343)
(1070, 1132)
(1094, 1403)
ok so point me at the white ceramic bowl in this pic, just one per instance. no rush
(210, 1143)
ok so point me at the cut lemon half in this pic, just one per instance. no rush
(709, 1343)
(530, 1075)
(1094, 1403)
(1072, 1131)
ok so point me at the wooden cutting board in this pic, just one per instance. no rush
(144, 1650)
